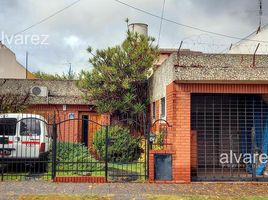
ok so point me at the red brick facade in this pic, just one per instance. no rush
(80, 179)
(71, 130)
(183, 147)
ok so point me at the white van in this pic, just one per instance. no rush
(23, 136)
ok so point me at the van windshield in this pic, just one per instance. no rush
(8, 126)
(30, 127)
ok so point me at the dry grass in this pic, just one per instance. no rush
(200, 197)
(63, 197)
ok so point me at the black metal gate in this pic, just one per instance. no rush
(128, 164)
(232, 136)
(71, 154)
(33, 147)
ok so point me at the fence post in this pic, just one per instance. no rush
(106, 152)
(253, 148)
(148, 127)
(54, 148)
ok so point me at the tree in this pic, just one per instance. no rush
(118, 80)
(71, 75)
(13, 103)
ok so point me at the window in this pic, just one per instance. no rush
(153, 110)
(30, 127)
(163, 107)
(8, 126)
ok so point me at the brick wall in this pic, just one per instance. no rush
(71, 130)
(184, 140)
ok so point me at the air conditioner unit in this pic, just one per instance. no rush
(39, 91)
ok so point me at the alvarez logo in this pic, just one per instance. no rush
(24, 39)
(246, 158)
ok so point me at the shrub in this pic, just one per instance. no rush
(159, 142)
(75, 157)
(123, 147)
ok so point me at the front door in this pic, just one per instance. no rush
(87, 127)
(85, 130)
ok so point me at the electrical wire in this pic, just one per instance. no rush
(186, 26)
(47, 18)
(161, 21)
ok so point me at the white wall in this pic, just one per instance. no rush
(9, 67)
(162, 76)
(249, 47)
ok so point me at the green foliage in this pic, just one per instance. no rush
(78, 156)
(159, 142)
(64, 76)
(123, 148)
(119, 76)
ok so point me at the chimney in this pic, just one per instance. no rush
(139, 28)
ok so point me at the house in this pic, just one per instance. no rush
(254, 43)
(59, 98)
(214, 106)
(10, 68)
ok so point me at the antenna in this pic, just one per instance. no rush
(26, 63)
(260, 13)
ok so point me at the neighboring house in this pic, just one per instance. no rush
(60, 98)
(249, 44)
(215, 104)
(10, 68)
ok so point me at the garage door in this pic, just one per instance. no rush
(232, 137)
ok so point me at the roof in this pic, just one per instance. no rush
(59, 91)
(173, 50)
(166, 52)
(221, 68)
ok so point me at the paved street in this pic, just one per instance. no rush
(12, 189)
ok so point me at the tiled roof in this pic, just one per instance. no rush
(59, 92)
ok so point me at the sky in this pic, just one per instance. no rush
(64, 38)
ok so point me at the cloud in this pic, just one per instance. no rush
(100, 23)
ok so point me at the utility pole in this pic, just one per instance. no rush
(26, 64)
(70, 70)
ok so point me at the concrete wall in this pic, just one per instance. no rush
(222, 68)
(9, 67)
(163, 75)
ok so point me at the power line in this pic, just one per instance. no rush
(186, 26)
(161, 21)
(47, 18)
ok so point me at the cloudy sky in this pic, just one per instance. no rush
(101, 23)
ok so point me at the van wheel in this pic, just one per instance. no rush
(41, 165)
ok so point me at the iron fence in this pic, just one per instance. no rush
(37, 147)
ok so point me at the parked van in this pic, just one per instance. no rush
(23, 136)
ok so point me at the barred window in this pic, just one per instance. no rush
(163, 107)
(154, 110)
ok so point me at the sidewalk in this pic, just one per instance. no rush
(12, 189)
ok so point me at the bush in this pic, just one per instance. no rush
(123, 146)
(73, 156)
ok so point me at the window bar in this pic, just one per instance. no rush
(205, 138)
(221, 119)
(213, 132)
